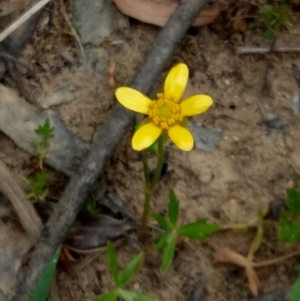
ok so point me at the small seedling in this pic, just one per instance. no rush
(90, 207)
(289, 222)
(121, 279)
(167, 240)
(273, 18)
(76, 24)
(45, 132)
(38, 187)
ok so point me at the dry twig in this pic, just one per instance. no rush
(252, 50)
(24, 209)
(74, 33)
(22, 19)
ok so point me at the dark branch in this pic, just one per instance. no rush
(108, 138)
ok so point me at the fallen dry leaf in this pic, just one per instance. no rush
(224, 254)
(158, 13)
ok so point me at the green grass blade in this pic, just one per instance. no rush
(113, 263)
(173, 208)
(131, 269)
(41, 291)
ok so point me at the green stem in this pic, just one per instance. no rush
(151, 184)
(160, 162)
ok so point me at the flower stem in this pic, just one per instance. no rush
(160, 162)
(150, 184)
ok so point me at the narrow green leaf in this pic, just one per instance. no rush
(127, 295)
(168, 253)
(134, 296)
(198, 230)
(173, 208)
(163, 240)
(295, 296)
(113, 263)
(164, 224)
(111, 296)
(131, 269)
(40, 293)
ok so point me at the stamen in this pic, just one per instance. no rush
(164, 112)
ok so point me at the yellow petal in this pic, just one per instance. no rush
(145, 136)
(176, 82)
(133, 100)
(181, 137)
(196, 104)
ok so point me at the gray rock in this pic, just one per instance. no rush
(97, 19)
(59, 96)
(295, 104)
(91, 57)
(19, 119)
(205, 138)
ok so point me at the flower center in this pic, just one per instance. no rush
(164, 112)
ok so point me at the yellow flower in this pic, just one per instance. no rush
(166, 114)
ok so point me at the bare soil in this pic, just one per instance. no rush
(253, 165)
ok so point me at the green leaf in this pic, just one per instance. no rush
(113, 263)
(111, 296)
(173, 208)
(293, 201)
(163, 240)
(45, 130)
(295, 296)
(269, 34)
(297, 268)
(288, 231)
(40, 293)
(164, 224)
(198, 230)
(131, 269)
(127, 295)
(134, 296)
(168, 253)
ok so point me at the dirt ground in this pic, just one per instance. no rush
(254, 162)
